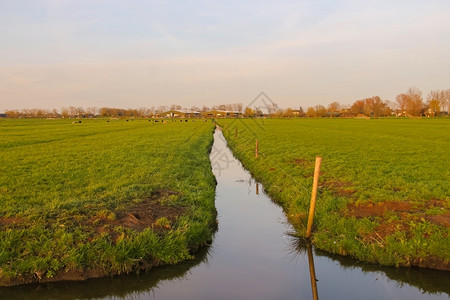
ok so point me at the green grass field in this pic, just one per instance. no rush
(101, 198)
(384, 186)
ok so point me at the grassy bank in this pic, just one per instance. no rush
(100, 198)
(384, 185)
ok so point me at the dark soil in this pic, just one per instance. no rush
(141, 215)
(371, 209)
(340, 188)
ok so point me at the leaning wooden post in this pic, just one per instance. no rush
(256, 149)
(313, 196)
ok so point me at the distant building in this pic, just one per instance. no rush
(180, 114)
(222, 114)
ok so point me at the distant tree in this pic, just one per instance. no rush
(357, 107)
(237, 107)
(333, 108)
(415, 103)
(434, 106)
(442, 97)
(65, 112)
(446, 101)
(55, 113)
(390, 104)
(205, 108)
(162, 108)
(80, 112)
(72, 111)
(387, 110)
(402, 102)
(321, 111)
(12, 113)
(287, 113)
(91, 111)
(248, 112)
(310, 112)
(374, 107)
(258, 112)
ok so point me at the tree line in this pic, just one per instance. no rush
(410, 103)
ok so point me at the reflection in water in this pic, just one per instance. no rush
(135, 286)
(428, 282)
(253, 256)
(312, 272)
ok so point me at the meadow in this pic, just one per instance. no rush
(384, 183)
(102, 197)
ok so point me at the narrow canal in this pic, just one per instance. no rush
(252, 257)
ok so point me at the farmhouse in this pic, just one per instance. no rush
(180, 114)
(222, 114)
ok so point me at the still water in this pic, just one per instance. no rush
(252, 257)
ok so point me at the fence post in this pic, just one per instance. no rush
(312, 206)
(256, 149)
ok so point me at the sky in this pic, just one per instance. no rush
(136, 53)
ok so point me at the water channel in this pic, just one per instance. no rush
(253, 256)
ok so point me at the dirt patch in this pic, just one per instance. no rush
(443, 220)
(146, 213)
(149, 213)
(435, 203)
(301, 162)
(340, 188)
(406, 213)
(383, 230)
(371, 209)
(11, 222)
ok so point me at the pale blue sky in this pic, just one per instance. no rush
(56, 53)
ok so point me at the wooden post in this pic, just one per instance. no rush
(312, 206)
(257, 188)
(256, 149)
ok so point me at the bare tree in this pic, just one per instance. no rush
(333, 108)
(402, 102)
(446, 101)
(310, 112)
(321, 111)
(249, 112)
(357, 107)
(415, 101)
(434, 100)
